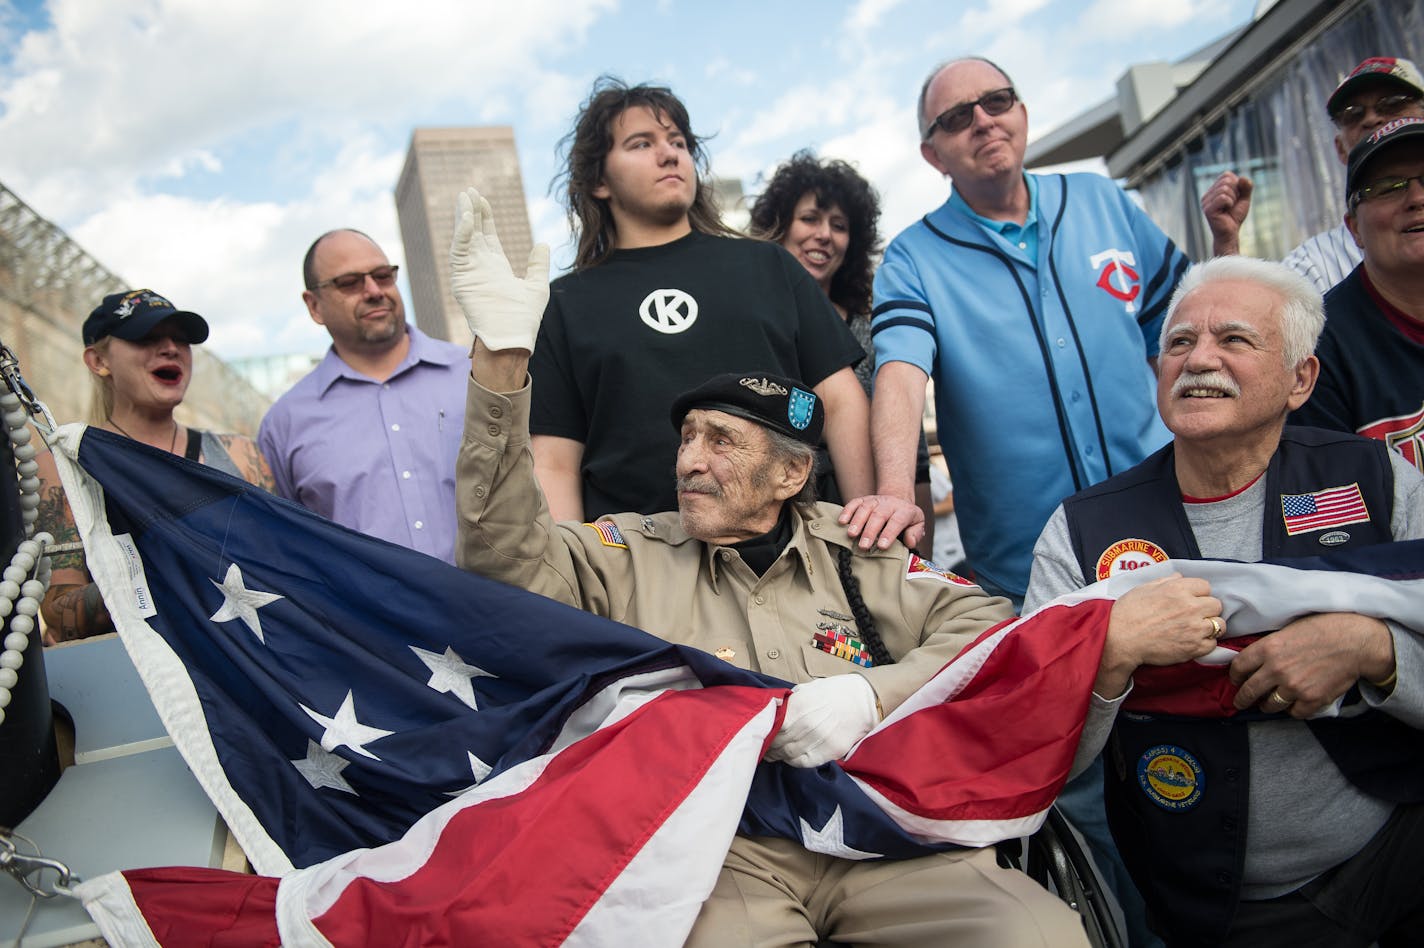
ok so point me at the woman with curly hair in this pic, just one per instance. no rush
(827, 216)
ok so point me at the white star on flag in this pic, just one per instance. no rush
(323, 769)
(449, 673)
(345, 729)
(479, 768)
(239, 602)
(830, 839)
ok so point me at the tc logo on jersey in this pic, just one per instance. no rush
(1129, 554)
(1403, 433)
(1118, 277)
(668, 311)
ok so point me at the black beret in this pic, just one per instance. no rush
(779, 403)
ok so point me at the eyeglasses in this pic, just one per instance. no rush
(1386, 106)
(960, 117)
(347, 282)
(1385, 189)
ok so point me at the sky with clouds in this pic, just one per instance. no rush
(198, 147)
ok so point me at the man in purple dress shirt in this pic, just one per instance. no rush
(368, 438)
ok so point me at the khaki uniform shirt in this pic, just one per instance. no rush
(645, 571)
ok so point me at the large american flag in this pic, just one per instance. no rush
(410, 753)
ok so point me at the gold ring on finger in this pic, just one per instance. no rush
(1216, 627)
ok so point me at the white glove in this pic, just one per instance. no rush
(824, 718)
(503, 310)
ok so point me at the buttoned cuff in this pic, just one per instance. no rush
(497, 420)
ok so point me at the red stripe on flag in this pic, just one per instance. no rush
(211, 908)
(1191, 689)
(525, 869)
(1002, 747)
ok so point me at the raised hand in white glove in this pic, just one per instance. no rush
(502, 310)
(824, 717)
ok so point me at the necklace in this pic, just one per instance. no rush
(171, 444)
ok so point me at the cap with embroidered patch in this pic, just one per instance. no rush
(133, 314)
(1396, 70)
(1388, 135)
(782, 404)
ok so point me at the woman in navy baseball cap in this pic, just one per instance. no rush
(138, 348)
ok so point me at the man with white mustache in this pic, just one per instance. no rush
(1280, 829)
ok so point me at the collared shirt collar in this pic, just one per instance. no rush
(1012, 233)
(422, 349)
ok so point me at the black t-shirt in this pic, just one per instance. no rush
(621, 340)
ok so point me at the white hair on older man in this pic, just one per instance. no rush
(1302, 313)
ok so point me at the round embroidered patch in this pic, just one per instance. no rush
(1171, 777)
(1127, 555)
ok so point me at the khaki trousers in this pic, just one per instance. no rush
(773, 892)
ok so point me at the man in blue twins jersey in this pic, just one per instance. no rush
(1372, 350)
(1034, 304)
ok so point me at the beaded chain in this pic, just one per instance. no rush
(24, 582)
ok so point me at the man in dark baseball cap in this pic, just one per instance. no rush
(1390, 137)
(1372, 350)
(133, 314)
(1377, 91)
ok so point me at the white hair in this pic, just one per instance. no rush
(1302, 311)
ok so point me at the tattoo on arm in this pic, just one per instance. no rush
(249, 461)
(56, 517)
(75, 612)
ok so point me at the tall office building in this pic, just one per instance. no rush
(441, 163)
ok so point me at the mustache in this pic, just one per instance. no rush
(700, 485)
(1213, 379)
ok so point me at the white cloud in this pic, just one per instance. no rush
(116, 103)
(723, 69)
(868, 14)
(200, 160)
(114, 91)
(1128, 18)
(239, 264)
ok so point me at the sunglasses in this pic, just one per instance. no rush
(957, 119)
(1385, 189)
(348, 282)
(1385, 106)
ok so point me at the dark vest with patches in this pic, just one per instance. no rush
(1188, 860)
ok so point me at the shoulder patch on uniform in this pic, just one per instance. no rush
(921, 568)
(608, 533)
(1129, 554)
